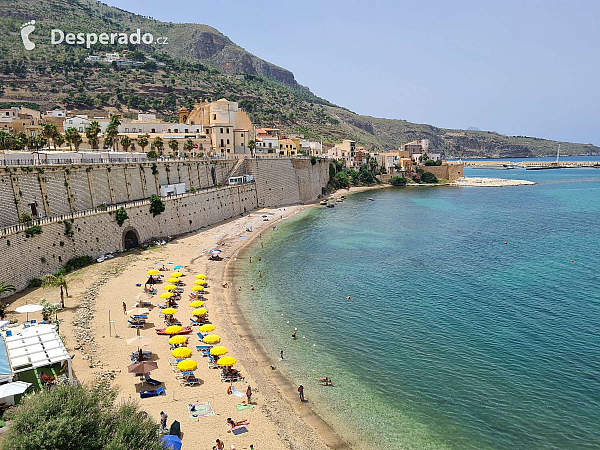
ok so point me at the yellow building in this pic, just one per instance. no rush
(287, 147)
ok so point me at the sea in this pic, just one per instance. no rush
(473, 320)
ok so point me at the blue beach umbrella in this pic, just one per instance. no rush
(171, 441)
(178, 267)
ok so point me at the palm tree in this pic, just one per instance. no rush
(4, 288)
(77, 139)
(143, 141)
(125, 142)
(159, 144)
(70, 136)
(57, 281)
(188, 146)
(59, 140)
(7, 140)
(92, 132)
(20, 140)
(251, 146)
(49, 131)
(174, 145)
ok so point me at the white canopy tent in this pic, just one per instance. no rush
(9, 390)
(37, 346)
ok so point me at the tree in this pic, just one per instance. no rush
(78, 417)
(152, 154)
(188, 145)
(58, 280)
(158, 144)
(20, 140)
(398, 181)
(92, 132)
(125, 142)
(112, 131)
(72, 136)
(7, 140)
(365, 176)
(49, 131)
(156, 205)
(143, 141)
(428, 177)
(341, 180)
(251, 146)
(58, 140)
(174, 145)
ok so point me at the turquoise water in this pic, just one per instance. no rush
(452, 338)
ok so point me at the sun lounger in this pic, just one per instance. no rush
(156, 393)
(152, 381)
(189, 381)
(200, 335)
(203, 347)
(135, 324)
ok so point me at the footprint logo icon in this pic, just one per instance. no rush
(26, 30)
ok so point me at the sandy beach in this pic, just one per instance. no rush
(95, 328)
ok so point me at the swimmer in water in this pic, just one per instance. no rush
(348, 298)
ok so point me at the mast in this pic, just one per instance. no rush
(558, 154)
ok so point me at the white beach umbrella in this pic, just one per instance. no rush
(15, 388)
(30, 308)
(139, 341)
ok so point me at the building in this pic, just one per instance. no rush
(395, 162)
(420, 147)
(20, 119)
(345, 151)
(287, 147)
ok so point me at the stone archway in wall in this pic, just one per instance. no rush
(131, 238)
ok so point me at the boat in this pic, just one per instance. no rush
(184, 330)
(330, 205)
(371, 199)
(323, 203)
(339, 200)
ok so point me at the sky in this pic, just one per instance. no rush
(515, 67)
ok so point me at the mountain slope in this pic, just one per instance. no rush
(200, 62)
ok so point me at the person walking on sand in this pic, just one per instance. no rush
(251, 260)
(220, 444)
(249, 394)
(124, 308)
(281, 355)
(259, 274)
(301, 392)
(294, 333)
(163, 420)
(251, 287)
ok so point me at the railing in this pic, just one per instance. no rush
(12, 229)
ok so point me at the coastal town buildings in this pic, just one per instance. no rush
(20, 119)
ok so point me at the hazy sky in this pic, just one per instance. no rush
(515, 67)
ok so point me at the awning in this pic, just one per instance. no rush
(15, 388)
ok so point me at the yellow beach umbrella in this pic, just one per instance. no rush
(176, 274)
(186, 365)
(218, 351)
(173, 280)
(206, 328)
(199, 311)
(169, 311)
(153, 272)
(196, 304)
(176, 340)
(166, 295)
(211, 339)
(173, 329)
(197, 288)
(200, 276)
(200, 282)
(182, 352)
(226, 361)
(170, 287)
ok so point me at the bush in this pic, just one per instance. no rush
(34, 282)
(341, 180)
(121, 216)
(428, 177)
(32, 231)
(156, 205)
(78, 263)
(25, 218)
(78, 417)
(69, 229)
(398, 181)
(431, 162)
(152, 154)
(313, 160)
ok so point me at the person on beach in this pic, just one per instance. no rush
(259, 259)
(220, 444)
(301, 392)
(251, 287)
(294, 333)
(259, 274)
(163, 420)
(231, 423)
(251, 260)
(323, 379)
(327, 383)
(124, 308)
(261, 245)
(249, 393)
(281, 355)
(240, 289)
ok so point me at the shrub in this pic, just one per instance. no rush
(154, 169)
(156, 205)
(341, 180)
(398, 181)
(25, 218)
(152, 154)
(69, 229)
(121, 216)
(88, 169)
(79, 417)
(34, 282)
(192, 189)
(49, 309)
(428, 177)
(32, 231)
(78, 263)
(313, 160)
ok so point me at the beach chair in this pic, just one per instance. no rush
(33, 322)
(200, 335)
(156, 393)
(189, 381)
(151, 381)
(8, 333)
(135, 324)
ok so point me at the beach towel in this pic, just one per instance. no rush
(241, 407)
(201, 410)
(237, 393)
(239, 430)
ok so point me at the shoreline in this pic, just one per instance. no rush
(285, 387)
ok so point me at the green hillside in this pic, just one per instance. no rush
(199, 62)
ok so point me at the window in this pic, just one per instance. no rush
(133, 130)
(176, 130)
(227, 130)
(222, 143)
(81, 129)
(214, 117)
(186, 130)
(227, 141)
(153, 130)
(221, 130)
(126, 130)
